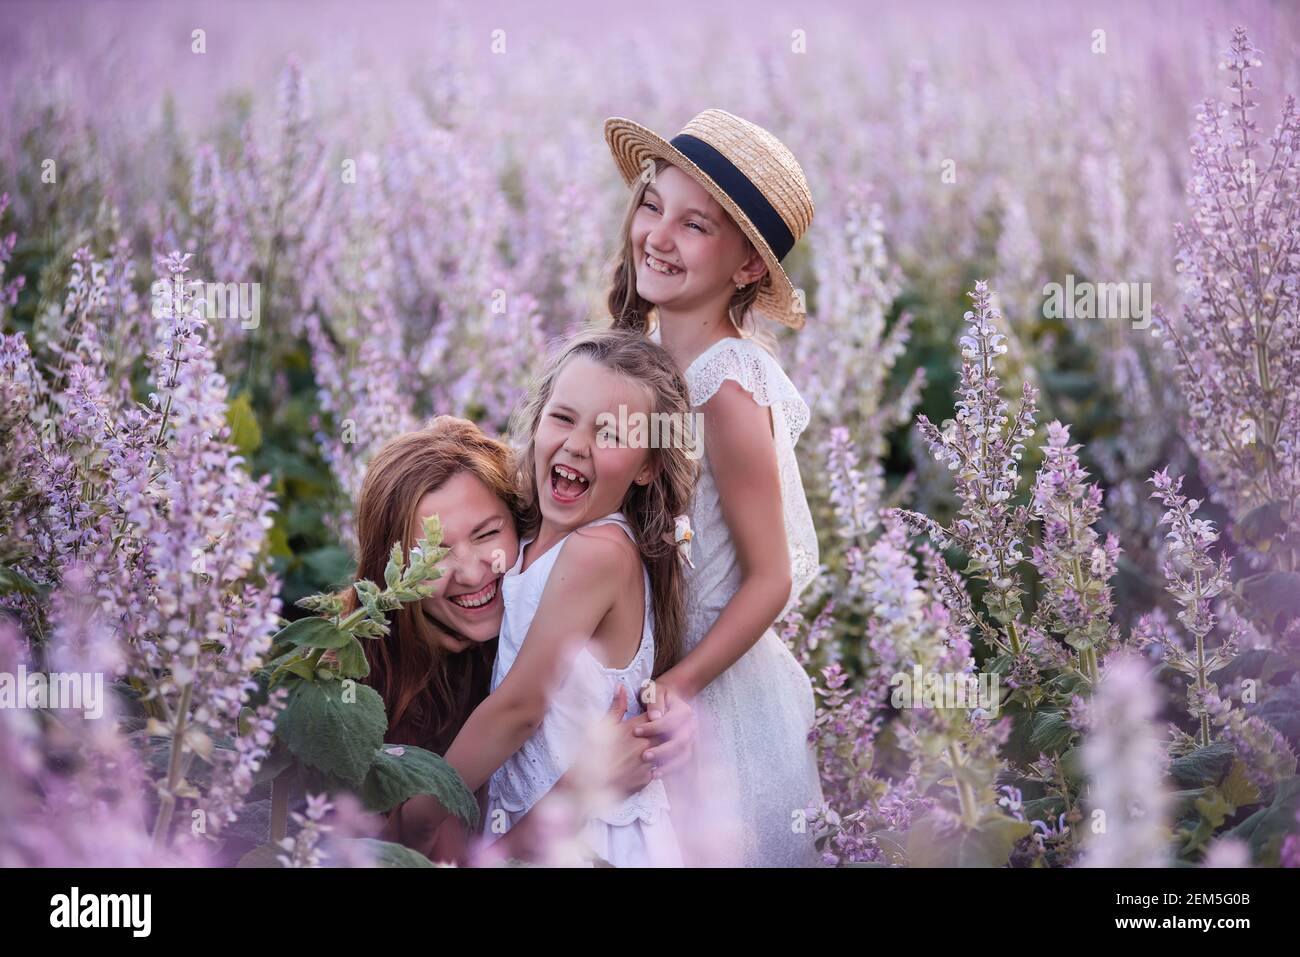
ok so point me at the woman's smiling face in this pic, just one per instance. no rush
(688, 250)
(584, 467)
(479, 530)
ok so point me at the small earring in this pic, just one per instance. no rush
(740, 285)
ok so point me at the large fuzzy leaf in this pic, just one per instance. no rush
(325, 730)
(401, 771)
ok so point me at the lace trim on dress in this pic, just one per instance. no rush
(758, 373)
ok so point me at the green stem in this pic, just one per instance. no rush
(965, 796)
(1201, 683)
(280, 806)
(168, 804)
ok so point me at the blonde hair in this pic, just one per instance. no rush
(651, 509)
(629, 310)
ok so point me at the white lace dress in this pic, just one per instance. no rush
(756, 771)
(637, 832)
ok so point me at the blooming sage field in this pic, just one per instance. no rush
(1052, 357)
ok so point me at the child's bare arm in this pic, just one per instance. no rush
(742, 452)
(578, 595)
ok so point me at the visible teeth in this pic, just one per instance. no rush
(571, 475)
(477, 602)
(660, 266)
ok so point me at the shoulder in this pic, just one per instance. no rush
(596, 551)
(739, 384)
(740, 361)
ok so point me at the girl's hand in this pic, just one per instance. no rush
(629, 772)
(669, 722)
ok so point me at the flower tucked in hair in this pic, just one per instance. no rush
(683, 534)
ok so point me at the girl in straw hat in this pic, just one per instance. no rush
(711, 215)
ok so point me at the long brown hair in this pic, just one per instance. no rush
(650, 509)
(629, 310)
(428, 691)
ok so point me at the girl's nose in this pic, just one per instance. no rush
(659, 239)
(576, 443)
(469, 567)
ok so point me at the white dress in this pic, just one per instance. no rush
(756, 771)
(636, 832)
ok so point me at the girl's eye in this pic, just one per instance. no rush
(561, 417)
(646, 202)
(696, 225)
(489, 534)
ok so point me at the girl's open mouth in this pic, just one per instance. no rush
(478, 602)
(659, 266)
(568, 485)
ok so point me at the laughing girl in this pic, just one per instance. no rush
(595, 599)
(711, 215)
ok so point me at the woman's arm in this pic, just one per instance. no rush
(742, 452)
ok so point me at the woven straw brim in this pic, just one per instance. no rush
(632, 144)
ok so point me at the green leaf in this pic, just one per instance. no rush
(1213, 809)
(1072, 766)
(401, 771)
(1282, 711)
(1261, 524)
(988, 845)
(1047, 809)
(245, 433)
(328, 732)
(396, 564)
(1050, 732)
(1266, 828)
(12, 580)
(991, 844)
(1259, 663)
(313, 633)
(1274, 596)
(352, 660)
(1238, 788)
(1202, 767)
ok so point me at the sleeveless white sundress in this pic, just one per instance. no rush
(755, 772)
(636, 832)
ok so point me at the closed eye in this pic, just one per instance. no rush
(561, 416)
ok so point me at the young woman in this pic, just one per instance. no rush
(435, 665)
(711, 215)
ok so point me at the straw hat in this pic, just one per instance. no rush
(749, 172)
